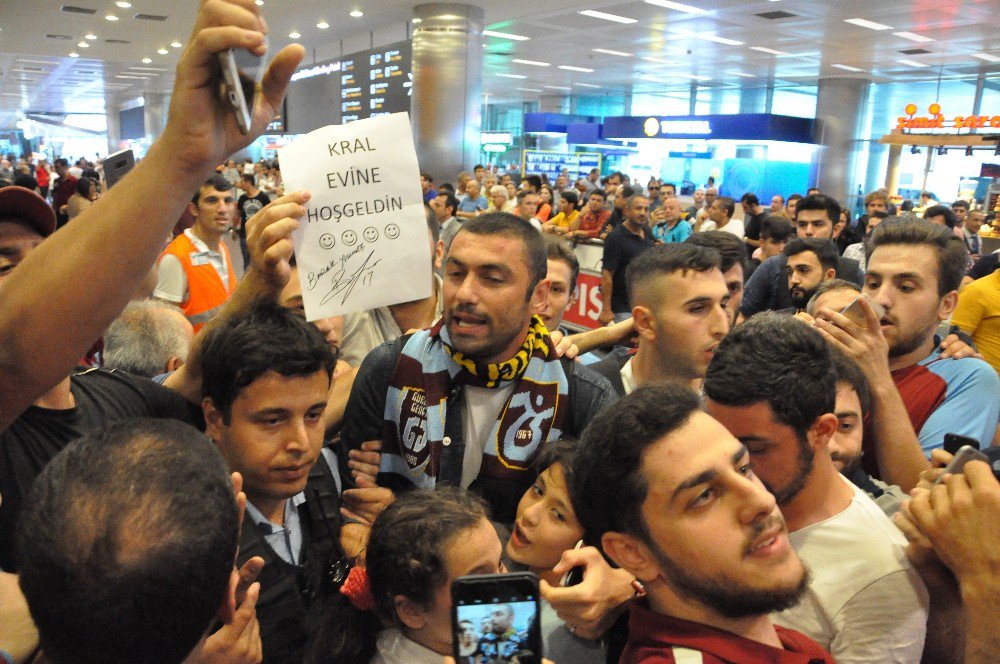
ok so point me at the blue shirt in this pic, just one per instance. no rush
(680, 232)
(473, 204)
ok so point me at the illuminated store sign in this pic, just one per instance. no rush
(654, 127)
(741, 127)
(937, 120)
(318, 70)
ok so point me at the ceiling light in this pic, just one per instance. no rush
(605, 51)
(533, 63)
(871, 25)
(512, 75)
(162, 51)
(417, 20)
(529, 89)
(658, 61)
(501, 35)
(123, 4)
(111, 17)
(615, 18)
(357, 13)
(146, 61)
(764, 49)
(259, 3)
(986, 56)
(175, 44)
(913, 63)
(912, 36)
(687, 9)
(557, 87)
(74, 55)
(570, 68)
(90, 36)
(83, 44)
(586, 85)
(846, 68)
(720, 40)
(695, 77)
(742, 75)
(322, 25)
(294, 35)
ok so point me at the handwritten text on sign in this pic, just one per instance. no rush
(363, 242)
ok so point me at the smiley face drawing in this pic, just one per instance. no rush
(326, 240)
(349, 238)
(370, 234)
(391, 231)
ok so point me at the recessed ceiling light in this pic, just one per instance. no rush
(913, 63)
(512, 75)
(503, 35)
(74, 55)
(871, 25)
(162, 51)
(607, 17)
(529, 89)
(846, 67)
(322, 25)
(533, 63)
(606, 51)
(90, 35)
(417, 20)
(146, 61)
(687, 9)
(720, 40)
(110, 17)
(986, 56)
(571, 68)
(557, 87)
(357, 13)
(912, 36)
(175, 44)
(294, 35)
(123, 4)
(586, 85)
(83, 44)
(764, 49)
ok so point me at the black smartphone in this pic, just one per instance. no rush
(953, 442)
(116, 165)
(496, 618)
(241, 73)
(962, 457)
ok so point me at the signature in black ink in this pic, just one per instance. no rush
(345, 285)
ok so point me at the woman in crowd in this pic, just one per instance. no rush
(397, 609)
(545, 208)
(545, 527)
(86, 193)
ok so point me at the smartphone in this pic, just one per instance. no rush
(495, 618)
(953, 442)
(575, 575)
(962, 457)
(241, 74)
(116, 165)
(856, 314)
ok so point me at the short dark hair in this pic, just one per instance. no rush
(60, 161)
(669, 184)
(731, 250)
(951, 252)
(728, 204)
(570, 196)
(508, 225)
(447, 186)
(779, 359)
(427, 177)
(825, 250)
(794, 197)
(750, 199)
(268, 338)
(126, 544)
(25, 180)
(776, 229)
(83, 186)
(534, 181)
(626, 191)
(608, 488)
(665, 259)
(249, 177)
(433, 225)
(559, 250)
(477, 167)
(217, 182)
(960, 203)
(820, 202)
(563, 452)
(450, 200)
(942, 210)
(848, 371)
(598, 192)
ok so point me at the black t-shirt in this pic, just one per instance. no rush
(620, 247)
(249, 206)
(39, 434)
(753, 225)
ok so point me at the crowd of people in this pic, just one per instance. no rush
(751, 471)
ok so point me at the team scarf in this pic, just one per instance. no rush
(416, 405)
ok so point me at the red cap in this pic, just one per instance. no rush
(27, 206)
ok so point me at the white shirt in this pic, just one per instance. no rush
(392, 647)
(628, 378)
(735, 226)
(865, 602)
(481, 408)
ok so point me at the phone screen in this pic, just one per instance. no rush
(496, 622)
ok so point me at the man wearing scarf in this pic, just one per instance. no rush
(471, 401)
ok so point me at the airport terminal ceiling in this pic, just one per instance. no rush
(641, 48)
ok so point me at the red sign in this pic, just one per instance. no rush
(588, 305)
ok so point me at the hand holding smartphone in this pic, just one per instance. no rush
(496, 618)
(241, 73)
(964, 455)
(855, 311)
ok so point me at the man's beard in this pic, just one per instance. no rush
(805, 465)
(850, 461)
(726, 595)
(906, 345)
(800, 298)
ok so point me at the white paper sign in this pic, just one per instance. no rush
(363, 242)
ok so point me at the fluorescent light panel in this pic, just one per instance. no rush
(533, 63)
(720, 40)
(742, 75)
(558, 87)
(914, 37)
(504, 35)
(586, 85)
(912, 63)
(529, 89)
(764, 49)
(986, 56)
(581, 69)
(608, 17)
(620, 54)
(677, 6)
(512, 75)
(846, 68)
(871, 25)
